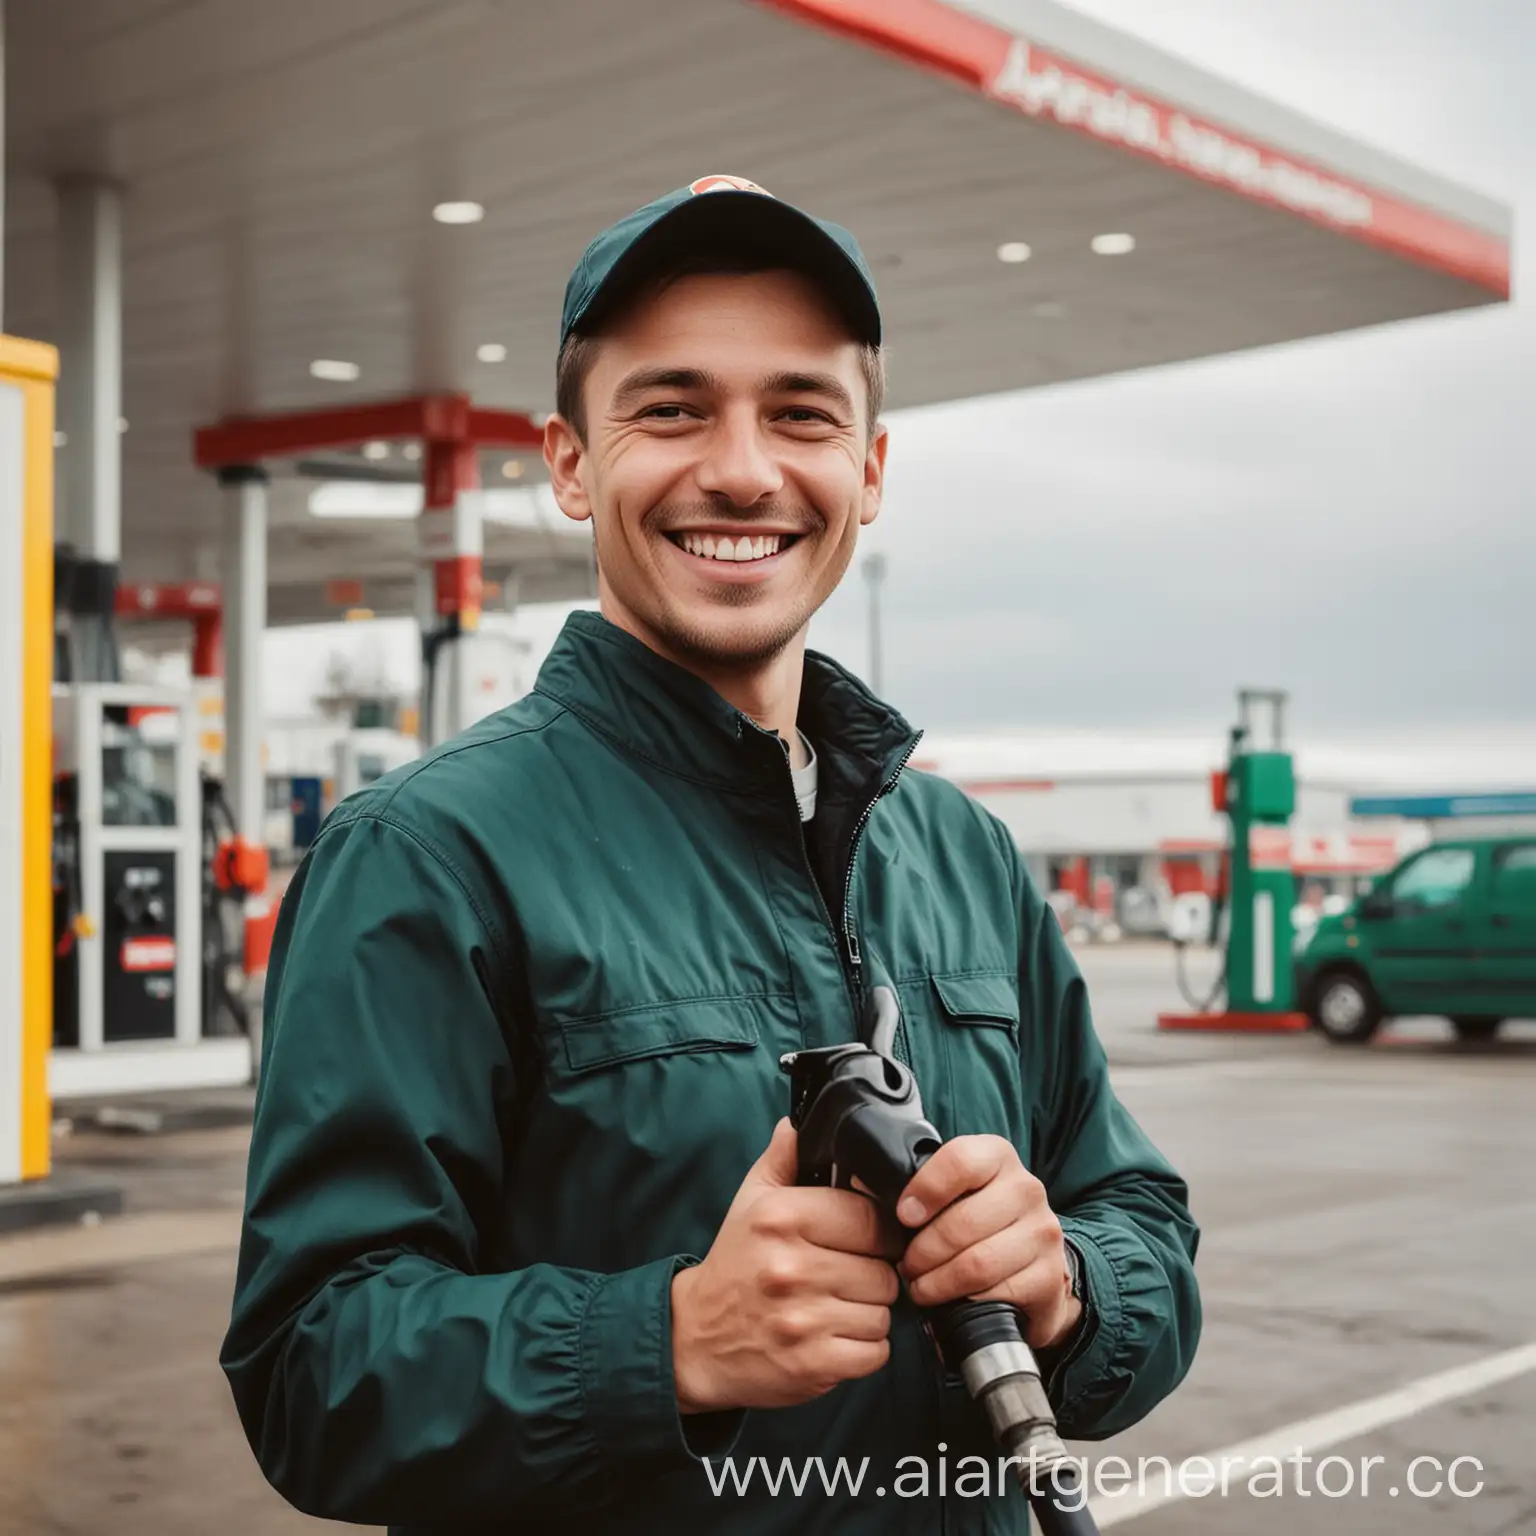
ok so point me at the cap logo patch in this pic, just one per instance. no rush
(727, 184)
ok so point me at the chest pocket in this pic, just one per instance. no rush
(962, 1029)
(645, 1123)
(657, 1030)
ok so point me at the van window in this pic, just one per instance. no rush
(1437, 878)
(1514, 875)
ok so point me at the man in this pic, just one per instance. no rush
(523, 1248)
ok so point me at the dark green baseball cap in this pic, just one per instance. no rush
(726, 214)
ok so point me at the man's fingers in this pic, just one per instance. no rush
(970, 1220)
(987, 1264)
(959, 1166)
(778, 1164)
(850, 1359)
(855, 1320)
(811, 1324)
(861, 1280)
(841, 1220)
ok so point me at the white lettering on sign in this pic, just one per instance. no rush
(1043, 86)
(1269, 847)
(151, 954)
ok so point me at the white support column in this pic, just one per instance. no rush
(90, 298)
(90, 403)
(245, 620)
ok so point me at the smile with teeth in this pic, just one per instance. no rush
(711, 546)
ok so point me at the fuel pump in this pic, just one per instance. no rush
(127, 866)
(1251, 915)
(149, 883)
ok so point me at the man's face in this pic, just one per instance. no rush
(728, 465)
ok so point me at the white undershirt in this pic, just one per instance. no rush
(805, 782)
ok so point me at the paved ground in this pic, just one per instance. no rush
(1369, 1221)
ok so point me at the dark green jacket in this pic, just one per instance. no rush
(523, 1025)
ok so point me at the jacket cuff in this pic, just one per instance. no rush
(1055, 1360)
(629, 1394)
(1082, 1362)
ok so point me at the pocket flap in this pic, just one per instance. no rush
(666, 1029)
(987, 997)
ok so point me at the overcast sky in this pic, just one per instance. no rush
(1353, 519)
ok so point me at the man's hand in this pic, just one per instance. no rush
(793, 1297)
(987, 1233)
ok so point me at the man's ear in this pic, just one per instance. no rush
(874, 475)
(565, 457)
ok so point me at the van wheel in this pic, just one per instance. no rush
(1469, 1028)
(1345, 1008)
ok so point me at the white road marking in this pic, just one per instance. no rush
(1316, 1434)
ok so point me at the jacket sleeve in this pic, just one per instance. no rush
(1119, 1201)
(383, 1370)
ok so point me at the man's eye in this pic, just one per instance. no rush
(664, 412)
(802, 415)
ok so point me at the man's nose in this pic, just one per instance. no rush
(739, 463)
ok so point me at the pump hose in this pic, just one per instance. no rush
(1213, 935)
(984, 1342)
(218, 954)
(1198, 1005)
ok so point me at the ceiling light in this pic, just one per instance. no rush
(375, 450)
(362, 499)
(1113, 245)
(512, 469)
(122, 423)
(458, 213)
(491, 352)
(411, 451)
(1013, 252)
(60, 439)
(335, 371)
(1048, 309)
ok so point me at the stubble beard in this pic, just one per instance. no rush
(749, 646)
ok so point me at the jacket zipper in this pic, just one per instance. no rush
(854, 971)
(850, 934)
(855, 992)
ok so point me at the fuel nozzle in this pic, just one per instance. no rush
(860, 1125)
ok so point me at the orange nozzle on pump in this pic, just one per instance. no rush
(241, 865)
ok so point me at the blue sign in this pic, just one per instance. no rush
(1445, 807)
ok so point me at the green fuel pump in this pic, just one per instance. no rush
(1257, 794)
(1260, 799)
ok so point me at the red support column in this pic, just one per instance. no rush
(208, 644)
(451, 535)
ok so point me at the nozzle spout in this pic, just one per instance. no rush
(882, 1037)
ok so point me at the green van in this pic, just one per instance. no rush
(1451, 930)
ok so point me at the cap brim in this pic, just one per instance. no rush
(757, 227)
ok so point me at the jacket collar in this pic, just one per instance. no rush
(661, 712)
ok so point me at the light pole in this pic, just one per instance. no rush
(874, 574)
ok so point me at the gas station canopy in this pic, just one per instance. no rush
(1041, 199)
